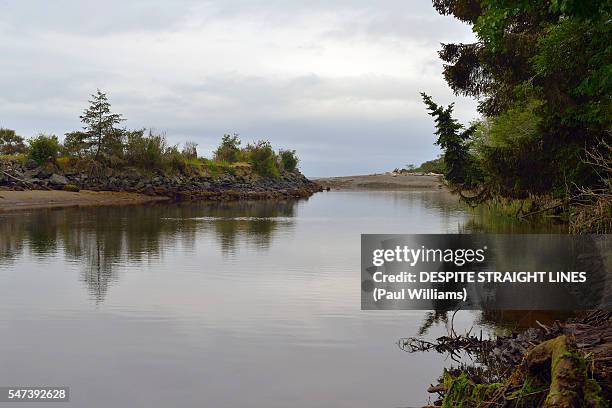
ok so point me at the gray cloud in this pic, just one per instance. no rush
(338, 81)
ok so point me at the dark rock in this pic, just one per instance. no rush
(193, 186)
(58, 180)
(44, 173)
(31, 164)
(31, 173)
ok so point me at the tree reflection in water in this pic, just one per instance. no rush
(102, 238)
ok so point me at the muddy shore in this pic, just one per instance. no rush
(34, 199)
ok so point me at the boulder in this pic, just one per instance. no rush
(31, 173)
(58, 180)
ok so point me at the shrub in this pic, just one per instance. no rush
(65, 162)
(190, 150)
(145, 151)
(11, 143)
(289, 159)
(43, 148)
(174, 160)
(263, 159)
(229, 149)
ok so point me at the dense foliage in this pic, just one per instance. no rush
(101, 142)
(229, 149)
(289, 159)
(262, 158)
(542, 72)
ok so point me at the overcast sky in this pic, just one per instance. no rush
(336, 80)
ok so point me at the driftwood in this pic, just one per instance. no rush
(22, 180)
(452, 345)
(567, 376)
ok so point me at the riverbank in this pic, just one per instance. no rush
(383, 181)
(26, 185)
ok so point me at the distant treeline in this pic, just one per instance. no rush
(104, 142)
(430, 166)
(542, 72)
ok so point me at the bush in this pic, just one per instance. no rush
(174, 160)
(66, 162)
(43, 148)
(145, 151)
(289, 159)
(190, 150)
(11, 143)
(263, 159)
(229, 149)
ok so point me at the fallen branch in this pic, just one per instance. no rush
(22, 181)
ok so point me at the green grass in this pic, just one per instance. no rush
(21, 157)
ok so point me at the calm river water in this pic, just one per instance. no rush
(216, 305)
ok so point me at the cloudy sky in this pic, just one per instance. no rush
(336, 80)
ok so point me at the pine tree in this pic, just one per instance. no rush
(101, 134)
(453, 139)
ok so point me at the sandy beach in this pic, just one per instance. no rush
(384, 181)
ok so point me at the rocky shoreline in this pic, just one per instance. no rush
(188, 185)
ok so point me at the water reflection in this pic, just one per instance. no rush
(189, 301)
(486, 220)
(102, 239)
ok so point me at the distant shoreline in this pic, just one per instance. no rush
(383, 181)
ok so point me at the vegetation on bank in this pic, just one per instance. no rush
(563, 365)
(542, 72)
(554, 374)
(102, 142)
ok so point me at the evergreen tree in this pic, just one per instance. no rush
(453, 140)
(100, 134)
(549, 59)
